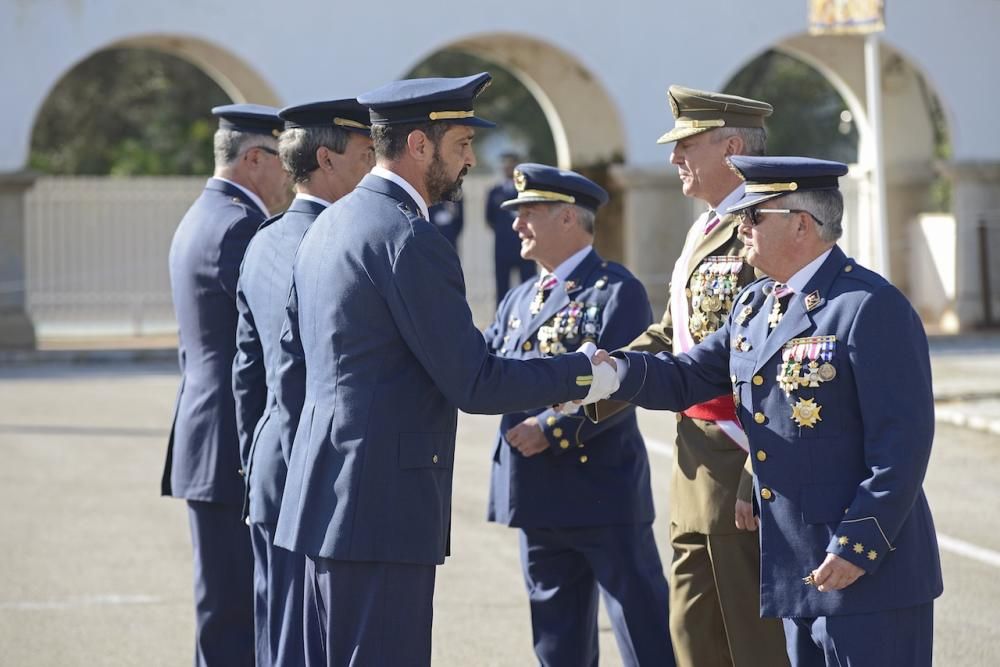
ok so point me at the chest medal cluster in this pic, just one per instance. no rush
(713, 287)
(806, 363)
(569, 328)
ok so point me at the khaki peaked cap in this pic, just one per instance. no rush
(697, 111)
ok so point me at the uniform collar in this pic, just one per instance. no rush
(312, 198)
(797, 283)
(564, 270)
(403, 183)
(729, 200)
(252, 196)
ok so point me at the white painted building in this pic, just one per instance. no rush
(600, 71)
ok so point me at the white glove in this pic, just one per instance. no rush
(605, 377)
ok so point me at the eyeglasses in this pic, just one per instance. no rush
(266, 149)
(752, 213)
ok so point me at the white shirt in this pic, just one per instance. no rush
(564, 270)
(403, 183)
(730, 200)
(798, 282)
(254, 198)
(312, 198)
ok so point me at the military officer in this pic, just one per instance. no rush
(378, 351)
(715, 573)
(506, 247)
(203, 455)
(326, 148)
(579, 492)
(829, 368)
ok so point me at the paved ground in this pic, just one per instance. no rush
(96, 568)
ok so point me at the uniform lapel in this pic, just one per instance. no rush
(388, 188)
(799, 317)
(232, 191)
(708, 243)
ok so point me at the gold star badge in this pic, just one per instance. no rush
(842, 541)
(872, 555)
(806, 412)
(859, 548)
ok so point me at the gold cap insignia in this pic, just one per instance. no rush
(520, 182)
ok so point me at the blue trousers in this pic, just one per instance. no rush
(564, 568)
(223, 585)
(903, 637)
(369, 614)
(278, 600)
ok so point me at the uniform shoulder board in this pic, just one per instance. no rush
(854, 271)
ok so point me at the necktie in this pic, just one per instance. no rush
(781, 295)
(542, 289)
(711, 221)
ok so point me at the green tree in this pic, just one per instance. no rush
(128, 112)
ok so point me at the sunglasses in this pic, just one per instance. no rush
(752, 213)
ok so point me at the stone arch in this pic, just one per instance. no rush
(574, 101)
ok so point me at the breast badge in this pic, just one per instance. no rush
(713, 287)
(806, 412)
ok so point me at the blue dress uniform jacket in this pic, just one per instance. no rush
(261, 295)
(203, 455)
(846, 476)
(377, 313)
(591, 474)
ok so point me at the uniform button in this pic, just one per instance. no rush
(564, 443)
(761, 455)
(527, 346)
(732, 378)
(759, 417)
(557, 432)
(765, 493)
(848, 268)
(551, 421)
(240, 472)
(434, 459)
(758, 380)
(583, 459)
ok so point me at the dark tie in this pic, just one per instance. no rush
(542, 289)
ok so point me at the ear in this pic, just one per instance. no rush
(324, 158)
(734, 146)
(419, 145)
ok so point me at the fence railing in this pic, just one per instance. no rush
(96, 256)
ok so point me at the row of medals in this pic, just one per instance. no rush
(806, 362)
(564, 325)
(713, 287)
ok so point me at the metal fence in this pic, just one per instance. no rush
(96, 256)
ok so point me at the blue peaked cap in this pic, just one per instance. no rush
(541, 183)
(345, 113)
(770, 177)
(425, 100)
(250, 118)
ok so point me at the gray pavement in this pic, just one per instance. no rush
(96, 567)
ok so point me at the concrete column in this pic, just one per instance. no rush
(16, 329)
(657, 217)
(975, 201)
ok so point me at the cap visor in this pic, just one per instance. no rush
(514, 203)
(473, 121)
(752, 199)
(679, 133)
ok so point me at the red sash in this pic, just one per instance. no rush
(717, 409)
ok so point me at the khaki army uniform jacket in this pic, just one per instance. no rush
(708, 469)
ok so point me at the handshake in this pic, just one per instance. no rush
(606, 377)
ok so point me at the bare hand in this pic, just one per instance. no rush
(835, 574)
(745, 520)
(527, 438)
(602, 357)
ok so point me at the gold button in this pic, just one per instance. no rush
(564, 444)
(557, 432)
(848, 268)
(434, 459)
(732, 378)
(761, 455)
(765, 493)
(551, 421)
(527, 346)
(759, 418)
(240, 472)
(583, 459)
(758, 380)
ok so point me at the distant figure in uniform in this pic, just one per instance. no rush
(579, 492)
(829, 368)
(715, 575)
(378, 351)
(203, 456)
(449, 218)
(326, 149)
(506, 246)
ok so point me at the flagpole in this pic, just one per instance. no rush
(873, 88)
